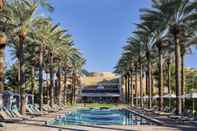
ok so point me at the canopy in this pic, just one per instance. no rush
(169, 96)
(156, 96)
(138, 97)
(192, 95)
(145, 97)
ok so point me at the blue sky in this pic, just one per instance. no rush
(100, 28)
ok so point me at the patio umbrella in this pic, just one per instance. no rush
(156, 96)
(145, 97)
(138, 97)
(169, 96)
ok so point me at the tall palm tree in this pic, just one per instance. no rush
(3, 40)
(179, 17)
(5, 10)
(77, 62)
(43, 32)
(145, 32)
(65, 53)
(136, 47)
(5, 30)
(122, 68)
(22, 22)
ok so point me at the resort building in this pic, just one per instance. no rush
(100, 87)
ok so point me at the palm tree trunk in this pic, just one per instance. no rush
(60, 92)
(152, 80)
(178, 76)
(160, 80)
(141, 86)
(182, 80)
(146, 81)
(148, 78)
(48, 88)
(131, 87)
(41, 78)
(22, 77)
(136, 85)
(32, 80)
(2, 59)
(74, 88)
(2, 3)
(125, 82)
(2, 69)
(149, 75)
(65, 87)
(169, 77)
(51, 81)
(128, 88)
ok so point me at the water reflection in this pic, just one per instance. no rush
(100, 117)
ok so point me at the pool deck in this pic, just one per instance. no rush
(37, 125)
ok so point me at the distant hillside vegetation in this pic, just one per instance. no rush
(96, 78)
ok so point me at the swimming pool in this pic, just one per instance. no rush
(100, 117)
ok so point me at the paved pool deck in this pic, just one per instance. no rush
(27, 127)
(38, 124)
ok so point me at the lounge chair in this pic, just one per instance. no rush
(16, 113)
(32, 112)
(166, 109)
(36, 108)
(18, 118)
(180, 118)
(8, 112)
(187, 113)
(5, 117)
(56, 107)
(155, 108)
(47, 108)
(165, 113)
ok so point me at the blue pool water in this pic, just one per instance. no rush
(100, 117)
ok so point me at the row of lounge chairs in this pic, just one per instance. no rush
(170, 113)
(13, 115)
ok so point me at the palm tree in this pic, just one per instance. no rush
(42, 33)
(77, 62)
(65, 53)
(122, 68)
(147, 37)
(179, 17)
(5, 30)
(23, 23)
(7, 25)
(29, 35)
(135, 48)
(3, 40)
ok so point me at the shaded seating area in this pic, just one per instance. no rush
(10, 108)
(169, 110)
